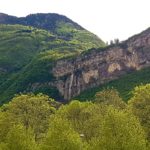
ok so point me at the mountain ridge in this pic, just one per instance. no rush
(69, 60)
(36, 20)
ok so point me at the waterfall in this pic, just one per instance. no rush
(70, 85)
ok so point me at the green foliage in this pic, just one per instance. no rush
(104, 127)
(18, 47)
(32, 111)
(82, 37)
(140, 106)
(38, 122)
(74, 112)
(119, 130)
(110, 97)
(19, 138)
(27, 55)
(61, 136)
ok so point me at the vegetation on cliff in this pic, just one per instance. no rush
(124, 85)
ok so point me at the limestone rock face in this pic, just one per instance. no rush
(96, 67)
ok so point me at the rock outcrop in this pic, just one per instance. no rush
(98, 66)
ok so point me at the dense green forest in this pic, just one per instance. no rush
(27, 54)
(37, 122)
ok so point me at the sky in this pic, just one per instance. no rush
(109, 19)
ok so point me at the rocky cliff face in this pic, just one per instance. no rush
(98, 66)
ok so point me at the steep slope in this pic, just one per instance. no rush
(26, 52)
(19, 44)
(66, 77)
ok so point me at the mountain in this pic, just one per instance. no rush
(49, 21)
(94, 67)
(30, 45)
(98, 66)
(55, 23)
(60, 58)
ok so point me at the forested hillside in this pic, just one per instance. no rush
(28, 51)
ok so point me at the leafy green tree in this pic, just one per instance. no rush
(93, 116)
(6, 124)
(110, 97)
(3, 146)
(61, 136)
(32, 111)
(119, 130)
(19, 138)
(140, 106)
(78, 114)
(31, 122)
(85, 117)
(102, 126)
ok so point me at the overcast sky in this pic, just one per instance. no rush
(108, 19)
